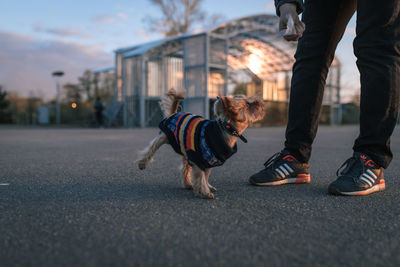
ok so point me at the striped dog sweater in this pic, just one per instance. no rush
(198, 139)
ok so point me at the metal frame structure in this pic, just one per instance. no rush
(204, 63)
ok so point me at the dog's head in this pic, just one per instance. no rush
(239, 110)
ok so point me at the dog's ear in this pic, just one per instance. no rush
(225, 102)
(174, 94)
(256, 108)
(234, 110)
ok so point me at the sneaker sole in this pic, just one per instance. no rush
(300, 179)
(376, 188)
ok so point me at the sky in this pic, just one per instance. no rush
(41, 36)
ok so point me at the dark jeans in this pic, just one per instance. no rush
(377, 48)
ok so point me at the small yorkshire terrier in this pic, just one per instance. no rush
(203, 143)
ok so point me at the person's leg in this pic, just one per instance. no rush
(325, 22)
(101, 118)
(96, 117)
(377, 47)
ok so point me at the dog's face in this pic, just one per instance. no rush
(239, 109)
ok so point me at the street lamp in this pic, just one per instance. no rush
(57, 75)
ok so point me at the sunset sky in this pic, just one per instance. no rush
(38, 37)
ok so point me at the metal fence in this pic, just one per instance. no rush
(242, 55)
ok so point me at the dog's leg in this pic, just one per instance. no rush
(200, 186)
(186, 174)
(207, 174)
(147, 154)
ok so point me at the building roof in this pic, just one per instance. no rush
(261, 28)
(105, 70)
(261, 21)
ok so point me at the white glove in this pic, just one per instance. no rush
(290, 26)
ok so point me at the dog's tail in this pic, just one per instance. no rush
(170, 102)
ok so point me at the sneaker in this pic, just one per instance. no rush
(282, 168)
(359, 175)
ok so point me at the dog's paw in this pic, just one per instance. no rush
(206, 195)
(142, 165)
(212, 188)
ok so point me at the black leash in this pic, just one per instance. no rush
(231, 130)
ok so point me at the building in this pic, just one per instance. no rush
(113, 112)
(239, 56)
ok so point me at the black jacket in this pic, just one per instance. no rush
(299, 4)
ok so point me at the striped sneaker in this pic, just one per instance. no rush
(282, 168)
(359, 175)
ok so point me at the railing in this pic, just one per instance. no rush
(114, 108)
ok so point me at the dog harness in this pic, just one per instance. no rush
(198, 139)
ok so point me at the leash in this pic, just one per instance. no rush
(230, 129)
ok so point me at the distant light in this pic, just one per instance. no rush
(73, 105)
(255, 64)
(256, 59)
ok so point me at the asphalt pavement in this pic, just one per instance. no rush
(75, 197)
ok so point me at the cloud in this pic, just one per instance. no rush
(63, 32)
(27, 63)
(122, 16)
(114, 20)
(270, 7)
(103, 19)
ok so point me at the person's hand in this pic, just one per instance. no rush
(290, 26)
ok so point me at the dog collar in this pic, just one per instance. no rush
(230, 129)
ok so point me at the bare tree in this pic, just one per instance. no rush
(85, 81)
(95, 82)
(178, 16)
(107, 82)
(73, 93)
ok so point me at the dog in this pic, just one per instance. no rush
(203, 143)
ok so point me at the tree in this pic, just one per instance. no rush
(5, 114)
(73, 93)
(85, 82)
(106, 90)
(178, 16)
(31, 106)
(96, 81)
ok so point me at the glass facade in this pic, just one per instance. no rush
(242, 56)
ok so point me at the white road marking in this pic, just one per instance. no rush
(4, 184)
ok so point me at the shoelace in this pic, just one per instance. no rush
(347, 167)
(272, 160)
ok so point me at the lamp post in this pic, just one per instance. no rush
(57, 75)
